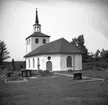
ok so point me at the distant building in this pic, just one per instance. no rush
(58, 55)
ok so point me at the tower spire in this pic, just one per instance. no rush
(37, 26)
(36, 19)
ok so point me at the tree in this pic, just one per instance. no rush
(79, 42)
(97, 55)
(4, 54)
(104, 55)
(90, 57)
(74, 41)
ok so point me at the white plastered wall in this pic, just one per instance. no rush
(28, 46)
(59, 62)
(55, 59)
(32, 45)
(35, 45)
(76, 62)
(63, 62)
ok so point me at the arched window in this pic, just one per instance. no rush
(36, 40)
(69, 61)
(29, 63)
(33, 63)
(44, 41)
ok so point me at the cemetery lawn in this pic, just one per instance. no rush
(58, 90)
(90, 73)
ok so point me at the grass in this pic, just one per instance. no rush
(59, 90)
(100, 64)
(96, 73)
(91, 73)
(14, 78)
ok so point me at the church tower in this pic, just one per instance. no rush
(37, 38)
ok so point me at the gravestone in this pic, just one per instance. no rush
(77, 76)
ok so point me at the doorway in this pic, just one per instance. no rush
(49, 65)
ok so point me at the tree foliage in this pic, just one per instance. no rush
(101, 55)
(79, 42)
(97, 55)
(4, 54)
(104, 55)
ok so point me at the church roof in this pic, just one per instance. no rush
(60, 46)
(38, 34)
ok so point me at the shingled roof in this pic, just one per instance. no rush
(38, 34)
(60, 46)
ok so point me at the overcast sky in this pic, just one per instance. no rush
(59, 18)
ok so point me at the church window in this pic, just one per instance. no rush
(36, 40)
(33, 63)
(44, 41)
(49, 58)
(29, 63)
(69, 61)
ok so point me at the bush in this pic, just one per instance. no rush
(101, 64)
(14, 78)
(70, 70)
(87, 66)
(99, 68)
(38, 72)
(45, 73)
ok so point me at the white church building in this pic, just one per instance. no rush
(58, 55)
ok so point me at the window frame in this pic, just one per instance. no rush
(44, 41)
(36, 40)
(33, 63)
(69, 61)
(49, 57)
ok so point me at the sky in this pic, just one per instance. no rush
(58, 18)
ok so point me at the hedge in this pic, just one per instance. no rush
(97, 64)
(101, 64)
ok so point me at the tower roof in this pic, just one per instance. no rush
(36, 19)
(38, 34)
(60, 46)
